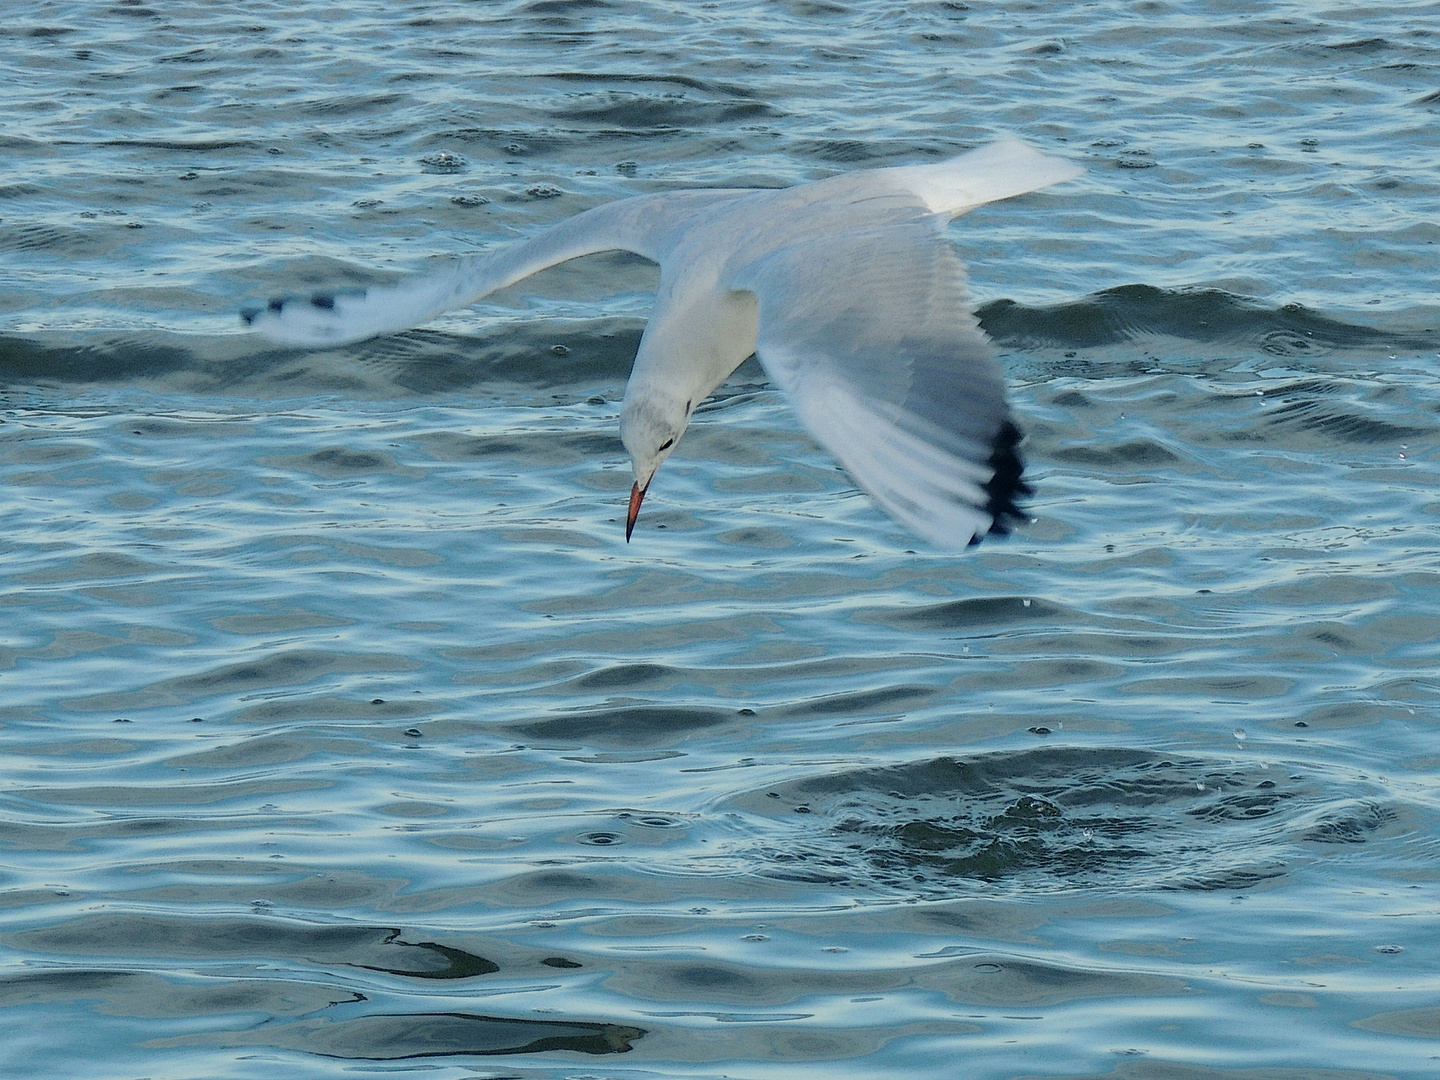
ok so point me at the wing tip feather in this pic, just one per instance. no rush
(1006, 485)
(307, 321)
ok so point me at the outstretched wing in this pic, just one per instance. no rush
(644, 225)
(869, 331)
(987, 174)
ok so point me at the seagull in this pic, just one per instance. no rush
(845, 289)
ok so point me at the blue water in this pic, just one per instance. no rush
(342, 733)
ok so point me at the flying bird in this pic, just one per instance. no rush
(845, 289)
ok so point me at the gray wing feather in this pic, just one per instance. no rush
(645, 225)
(870, 332)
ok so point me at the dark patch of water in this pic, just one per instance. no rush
(1058, 817)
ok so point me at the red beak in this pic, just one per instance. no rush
(637, 496)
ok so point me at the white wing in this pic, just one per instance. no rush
(984, 175)
(865, 322)
(870, 333)
(644, 225)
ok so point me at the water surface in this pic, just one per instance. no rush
(343, 733)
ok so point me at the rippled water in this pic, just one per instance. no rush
(342, 732)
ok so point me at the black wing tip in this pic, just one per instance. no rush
(276, 304)
(1006, 485)
(323, 301)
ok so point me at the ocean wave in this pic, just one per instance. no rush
(1209, 316)
(579, 354)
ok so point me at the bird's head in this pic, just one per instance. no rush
(650, 426)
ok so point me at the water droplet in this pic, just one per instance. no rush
(443, 161)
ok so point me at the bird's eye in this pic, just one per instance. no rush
(667, 444)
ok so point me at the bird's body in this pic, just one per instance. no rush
(845, 289)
